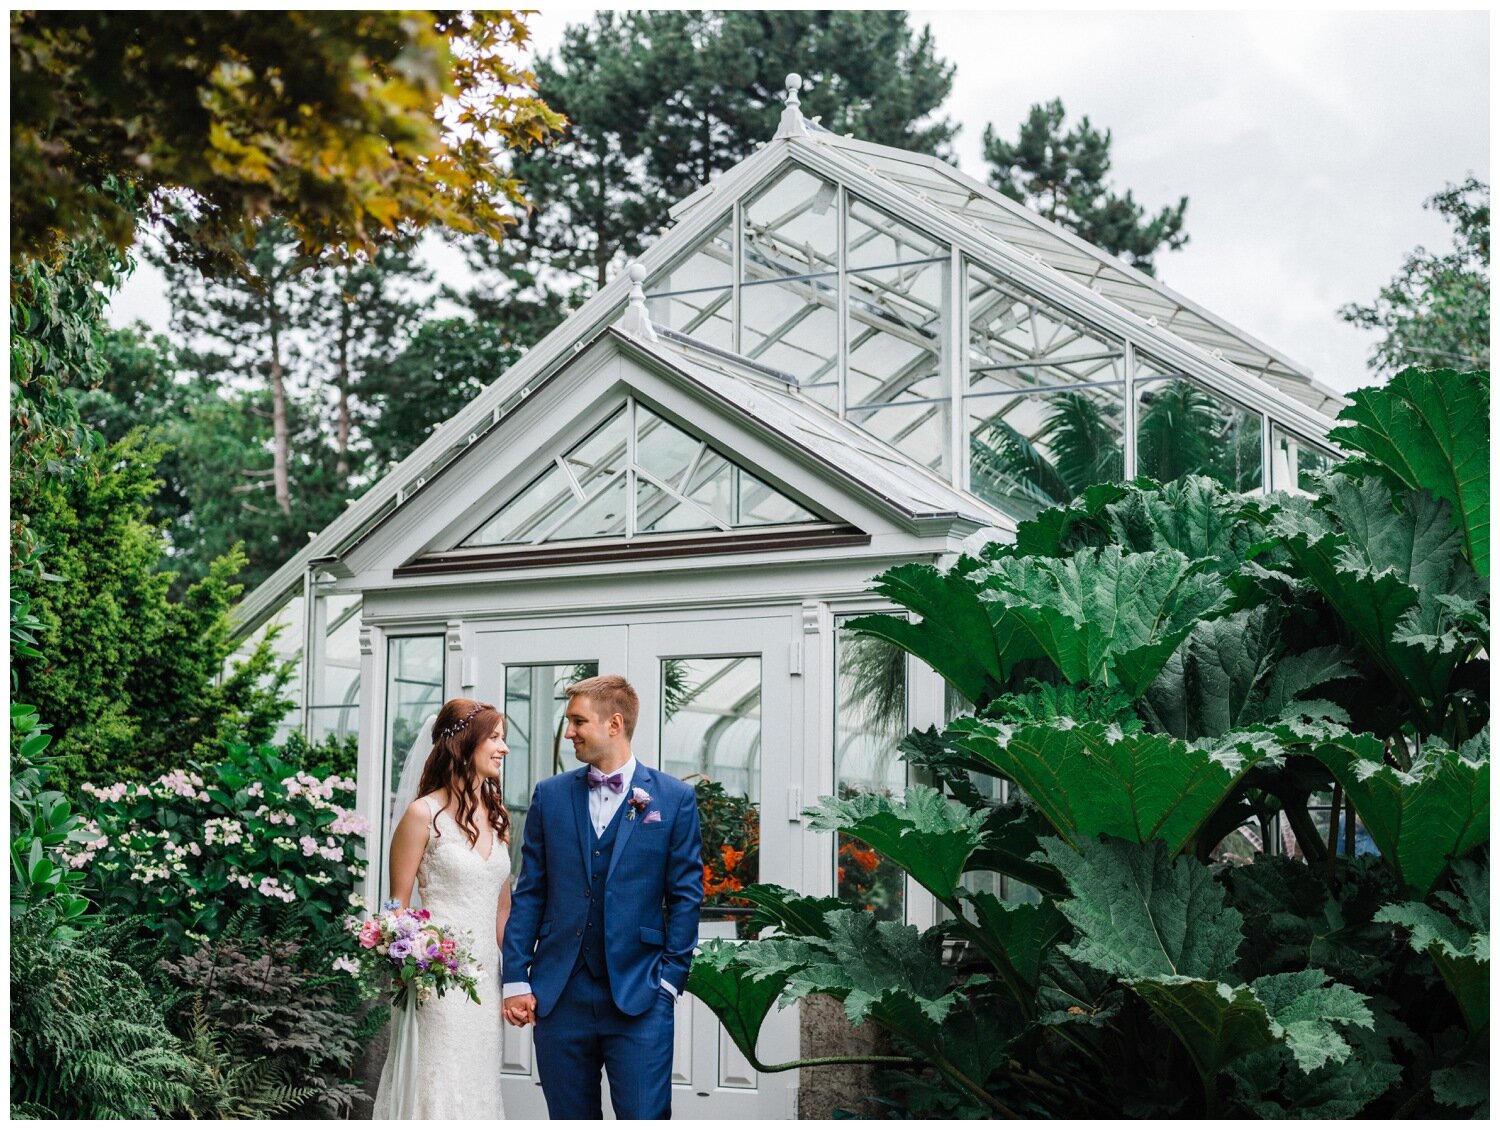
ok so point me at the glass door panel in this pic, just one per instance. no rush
(535, 698)
(711, 737)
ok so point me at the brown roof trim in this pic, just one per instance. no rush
(621, 552)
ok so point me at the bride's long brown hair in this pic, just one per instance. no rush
(461, 725)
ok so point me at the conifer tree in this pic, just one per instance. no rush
(658, 101)
(1063, 174)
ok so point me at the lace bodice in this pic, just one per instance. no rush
(460, 887)
(453, 1067)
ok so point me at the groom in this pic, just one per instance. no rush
(604, 916)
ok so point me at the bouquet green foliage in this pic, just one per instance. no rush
(417, 957)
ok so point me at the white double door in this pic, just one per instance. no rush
(716, 702)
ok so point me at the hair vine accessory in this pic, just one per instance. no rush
(461, 725)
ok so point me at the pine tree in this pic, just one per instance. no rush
(658, 101)
(1436, 312)
(1062, 173)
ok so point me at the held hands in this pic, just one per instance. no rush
(520, 1010)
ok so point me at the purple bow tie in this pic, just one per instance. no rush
(615, 781)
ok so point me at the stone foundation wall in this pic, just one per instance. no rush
(826, 1031)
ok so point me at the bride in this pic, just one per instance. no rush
(452, 843)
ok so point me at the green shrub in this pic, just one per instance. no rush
(89, 1037)
(331, 757)
(278, 1014)
(132, 681)
(199, 844)
(1156, 670)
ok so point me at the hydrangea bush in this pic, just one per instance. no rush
(191, 848)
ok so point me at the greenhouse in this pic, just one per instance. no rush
(838, 358)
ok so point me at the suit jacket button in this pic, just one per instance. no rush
(578, 933)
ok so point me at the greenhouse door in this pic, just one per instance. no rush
(713, 696)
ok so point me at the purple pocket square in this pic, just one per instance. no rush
(653, 817)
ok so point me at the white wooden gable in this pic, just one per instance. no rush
(778, 480)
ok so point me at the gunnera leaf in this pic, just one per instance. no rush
(1429, 430)
(929, 752)
(1382, 570)
(1421, 819)
(927, 835)
(1194, 515)
(789, 911)
(1306, 1009)
(1270, 1084)
(1091, 779)
(1101, 616)
(1458, 941)
(1465, 1086)
(1138, 913)
(739, 997)
(1016, 936)
(953, 635)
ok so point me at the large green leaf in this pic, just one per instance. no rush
(1429, 430)
(1016, 937)
(1218, 1024)
(1138, 913)
(1064, 530)
(1388, 574)
(927, 835)
(1091, 779)
(1271, 1085)
(740, 998)
(1421, 819)
(1012, 835)
(1229, 674)
(1215, 1023)
(1304, 1007)
(790, 912)
(953, 635)
(1102, 615)
(1194, 515)
(1458, 942)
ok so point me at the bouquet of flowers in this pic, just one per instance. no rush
(405, 948)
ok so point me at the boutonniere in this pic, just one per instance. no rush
(639, 799)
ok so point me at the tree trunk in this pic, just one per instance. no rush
(341, 439)
(279, 440)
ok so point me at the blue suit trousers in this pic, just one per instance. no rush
(586, 1031)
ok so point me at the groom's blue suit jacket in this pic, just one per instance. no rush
(653, 890)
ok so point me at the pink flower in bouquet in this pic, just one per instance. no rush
(447, 946)
(369, 934)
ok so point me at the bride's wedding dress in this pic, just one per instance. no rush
(444, 1061)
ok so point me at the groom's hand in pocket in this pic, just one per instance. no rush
(520, 1010)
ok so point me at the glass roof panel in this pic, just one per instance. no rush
(710, 265)
(662, 449)
(792, 228)
(659, 512)
(602, 454)
(876, 240)
(1182, 428)
(706, 315)
(1029, 451)
(792, 326)
(918, 431)
(1018, 341)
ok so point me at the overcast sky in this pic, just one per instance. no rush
(1305, 143)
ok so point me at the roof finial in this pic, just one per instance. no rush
(792, 123)
(636, 321)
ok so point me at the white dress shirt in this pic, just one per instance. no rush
(604, 802)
